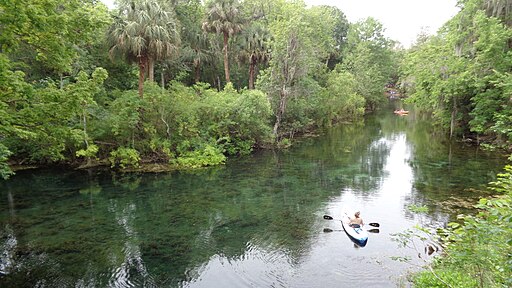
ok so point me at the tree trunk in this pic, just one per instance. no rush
(452, 122)
(163, 78)
(10, 200)
(251, 72)
(226, 59)
(151, 70)
(280, 112)
(61, 81)
(142, 72)
(197, 69)
(85, 129)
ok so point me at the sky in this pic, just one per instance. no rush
(402, 19)
(109, 3)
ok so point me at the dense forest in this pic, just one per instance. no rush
(463, 74)
(186, 84)
(178, 82)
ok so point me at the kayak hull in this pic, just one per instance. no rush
(399, 112)
(358, 235)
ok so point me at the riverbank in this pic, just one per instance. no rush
(475, 247)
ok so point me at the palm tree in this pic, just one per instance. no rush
(255, 50)
(200, 47)
(223, 16)
(196, 43)
(143, 33)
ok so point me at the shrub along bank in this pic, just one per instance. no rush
(478, 251)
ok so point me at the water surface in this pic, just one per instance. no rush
(254, 222)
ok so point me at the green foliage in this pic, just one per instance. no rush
(14, 96)
(341, 101)
(235, 120)
(56, 104)
(368, 57)
(144, 32)
(124, 157)
(5, 171)
(223, 17)
(299, 47)
(124, 117)
(504, 183)
(189, 123)
(90, 152)
(208, 156)
(55, 118)
(196, 47)
(49, 30)
(466, 88)
(478, 249)
(417, 208)
(454, 278)
(339, 26)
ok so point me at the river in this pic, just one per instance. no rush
(255, 222)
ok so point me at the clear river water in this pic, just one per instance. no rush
(256, 221)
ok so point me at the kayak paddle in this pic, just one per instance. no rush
(327, 217)
(327, 230)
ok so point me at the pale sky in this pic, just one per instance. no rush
(402, 19)
(109, 3)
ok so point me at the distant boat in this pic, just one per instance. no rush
(401, 112)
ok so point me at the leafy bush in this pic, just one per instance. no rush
(207, 156)
(90, 152)
(5, 171)
(341, 100)
(478, 251)
(418, 208)
(124, 117)
(460, 280)
(124, 158)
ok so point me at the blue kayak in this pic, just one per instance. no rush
(358, 235)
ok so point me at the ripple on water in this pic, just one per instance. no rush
(256, 267)
(120, 277)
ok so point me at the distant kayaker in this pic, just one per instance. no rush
(356, 221)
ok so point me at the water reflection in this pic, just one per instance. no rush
(256, 221)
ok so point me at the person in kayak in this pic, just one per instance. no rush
(356, 221)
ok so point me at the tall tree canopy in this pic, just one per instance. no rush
(58, 105)
(144, 32)
(196, 45)
(298, 45)
(48, 34)
(369, 57)
(463, 74)
(224, 17)
(254, 49)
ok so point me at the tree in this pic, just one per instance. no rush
(300, 40)
(48, 34)
(14, 92)
(196, 44)
(82, 92)
(463, 74)
(143, 33)
(255, 49)
(339, 33)
(368, 56)
(223, 17)
(38, 41)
